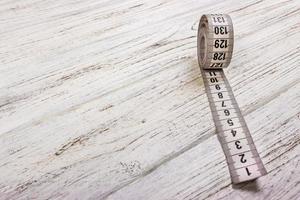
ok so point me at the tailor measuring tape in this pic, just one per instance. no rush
(215, 46)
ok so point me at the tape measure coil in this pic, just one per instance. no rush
(215, 41)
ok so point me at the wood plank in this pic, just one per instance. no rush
(105, 99)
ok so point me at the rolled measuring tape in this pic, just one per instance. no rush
(215, 47)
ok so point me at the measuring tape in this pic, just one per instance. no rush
(215, 46)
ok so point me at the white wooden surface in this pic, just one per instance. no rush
(105, 100)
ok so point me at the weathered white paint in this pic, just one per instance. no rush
(104, 99)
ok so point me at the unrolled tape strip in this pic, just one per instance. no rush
(215, 47)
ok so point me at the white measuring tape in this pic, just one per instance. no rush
(215, 45)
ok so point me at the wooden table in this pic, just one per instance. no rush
(105, 100)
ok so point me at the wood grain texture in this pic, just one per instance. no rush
(105, 100)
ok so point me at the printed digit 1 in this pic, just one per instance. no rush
(248, 172)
